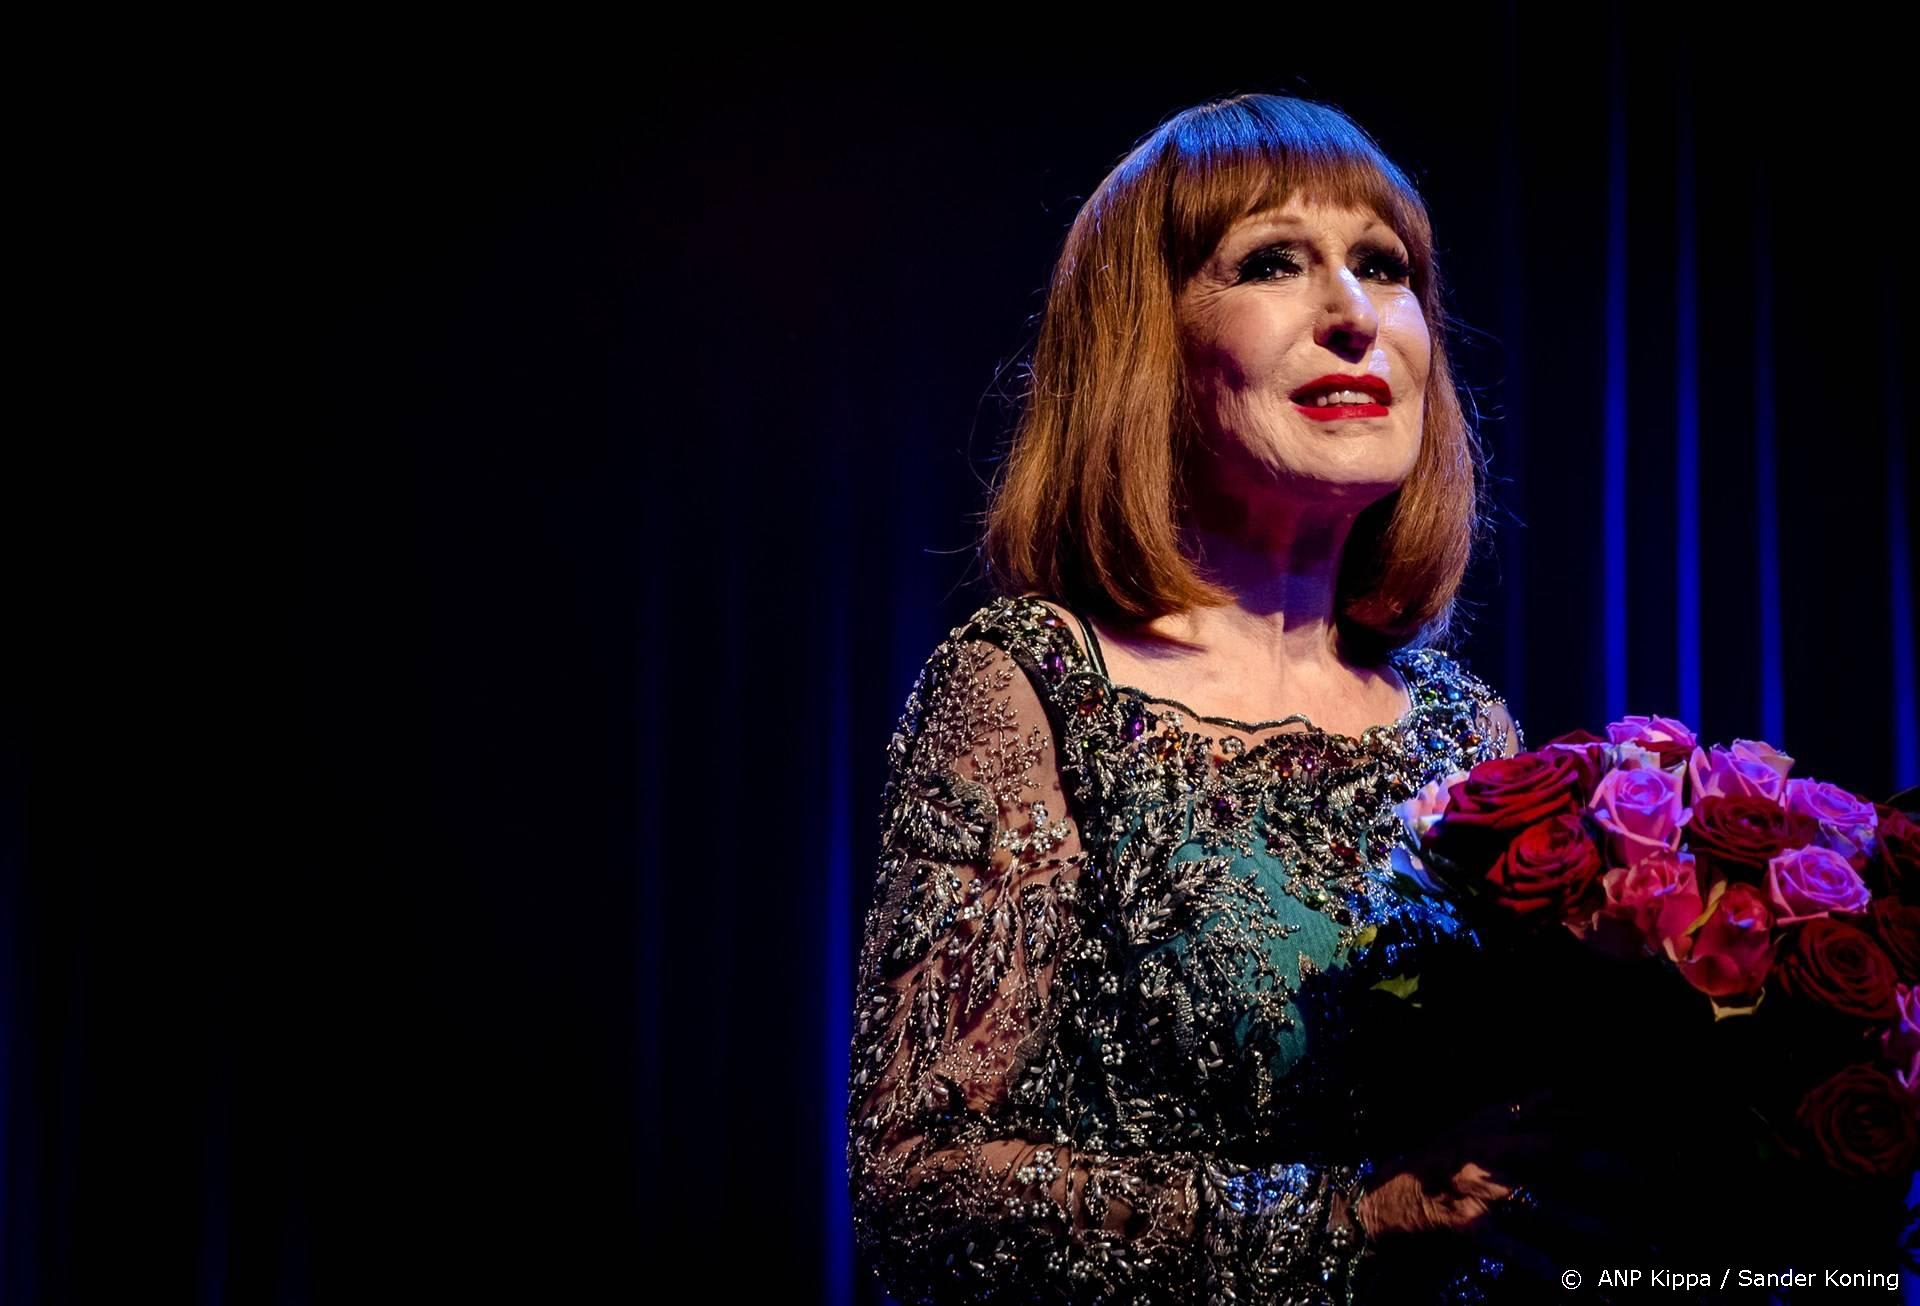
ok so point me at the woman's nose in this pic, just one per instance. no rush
(1348, 322)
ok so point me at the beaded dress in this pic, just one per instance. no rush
(1119, 1030)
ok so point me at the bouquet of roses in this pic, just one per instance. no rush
(1783, 905)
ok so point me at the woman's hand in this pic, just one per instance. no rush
(1452, 1185)
(1407, 1204)
(1470, 1203)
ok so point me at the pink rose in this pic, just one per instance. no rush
(1909, 1076)
(1672, 740)
(1807, 882)
(1766, 752)
(1637, 757)
(1732, 951)
(1846, 821)
(1902, 1042)
(1747, 770)
(1419, 812)
(1640, 810)
(1659, 895)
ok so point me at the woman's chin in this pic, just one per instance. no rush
(1351, 489)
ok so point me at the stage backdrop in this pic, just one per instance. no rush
(485, 668)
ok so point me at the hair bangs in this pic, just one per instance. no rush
(1255, 154)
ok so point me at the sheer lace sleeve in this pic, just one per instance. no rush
(1503, 730)
(967, 1178)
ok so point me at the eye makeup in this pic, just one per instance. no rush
(1383, 261)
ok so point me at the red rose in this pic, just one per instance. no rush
(1499, 798)
(1734, 837)
(1838, 965)
(1861, 1122)
(1897, 926)
(1895, 865)
(1552, 867)
(1591, 755)
(1732, 951)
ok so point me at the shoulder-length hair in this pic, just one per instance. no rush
(1090, 499)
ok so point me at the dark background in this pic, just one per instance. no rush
(501, 496)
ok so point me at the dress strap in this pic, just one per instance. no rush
(1093, 645)
(1086, 630)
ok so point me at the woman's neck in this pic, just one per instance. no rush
(1283, 577)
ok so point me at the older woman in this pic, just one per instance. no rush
(1121, 1033)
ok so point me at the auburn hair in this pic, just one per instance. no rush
(1089, 501)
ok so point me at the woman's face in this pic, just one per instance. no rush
(1291, 296)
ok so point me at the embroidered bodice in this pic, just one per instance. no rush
(1128, 981)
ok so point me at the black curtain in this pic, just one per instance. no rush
(498, 495)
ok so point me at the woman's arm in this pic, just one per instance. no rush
(963, 1185)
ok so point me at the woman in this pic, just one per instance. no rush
(1120, 1031)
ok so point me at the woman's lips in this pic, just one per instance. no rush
(1340, 412)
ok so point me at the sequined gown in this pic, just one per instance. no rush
(1117, 1030)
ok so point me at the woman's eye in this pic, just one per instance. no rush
(1392, 265)
(1262, 265)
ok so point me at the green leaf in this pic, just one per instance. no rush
(1401, 986)
(1722, 1010)
(1714, 895)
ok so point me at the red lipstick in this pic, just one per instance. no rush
(1368, 385)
